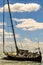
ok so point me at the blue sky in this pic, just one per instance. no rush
(34, 15)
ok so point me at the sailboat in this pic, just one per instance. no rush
(20, 54)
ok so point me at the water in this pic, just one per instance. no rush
(12, 62)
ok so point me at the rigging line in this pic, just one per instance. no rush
(3, 26)
(12, 26)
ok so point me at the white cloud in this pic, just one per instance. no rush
(9, 41)
(1, 31)
(18, 20)
(17, 35)
(21, 7)
(8, 34)
(28, 24)
(30, 45)
(1, 23)
(25, 44)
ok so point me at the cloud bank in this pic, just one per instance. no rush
(7, 35)
(30, 45)
(10, 35)
(28, 24)
(21, 7)
(1, 23)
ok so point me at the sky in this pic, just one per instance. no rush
(27, 17)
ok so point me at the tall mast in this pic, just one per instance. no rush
(3, 25)
(12, 26)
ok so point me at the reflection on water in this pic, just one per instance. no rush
(6, 62)
(12, 62)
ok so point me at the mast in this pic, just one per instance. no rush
(12, 27)
(3, 26)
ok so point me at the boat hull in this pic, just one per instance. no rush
(36, 59)
(25, 56)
